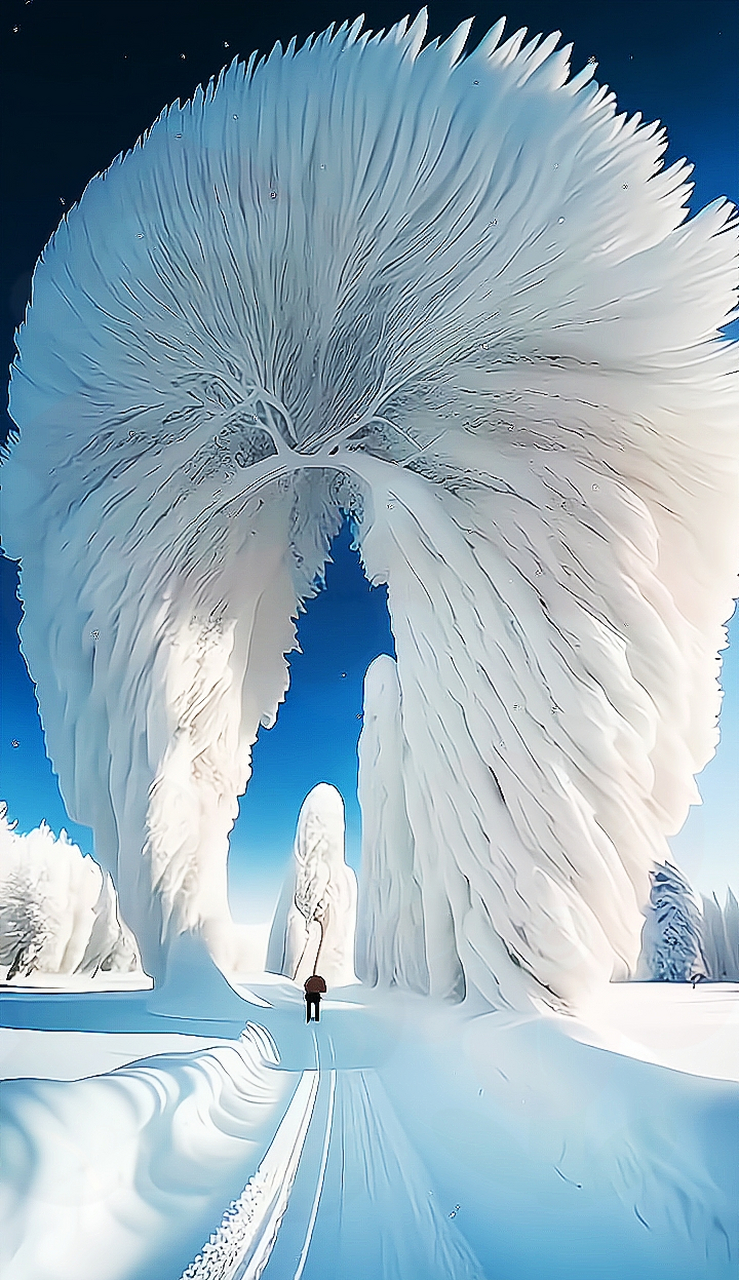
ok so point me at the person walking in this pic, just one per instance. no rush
(315, 986)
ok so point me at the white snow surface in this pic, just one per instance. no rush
(315, 918)
(400, 1139)
(458, 298)
(689, 1029)
(72, 1055)
(122, 1167)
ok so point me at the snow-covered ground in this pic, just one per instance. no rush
(671, 1023)
(67, 982)
(400, 1138)
(73, 1055)
(694, 1030)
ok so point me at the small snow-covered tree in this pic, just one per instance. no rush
(672, 949)
(721, 937)
(58, 910)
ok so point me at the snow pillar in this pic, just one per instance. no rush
(313, 927)
(391, 936)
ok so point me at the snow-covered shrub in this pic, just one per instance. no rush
(671, 939)
(58, 911)
(721, 938)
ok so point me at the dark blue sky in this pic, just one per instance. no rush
(81, 80)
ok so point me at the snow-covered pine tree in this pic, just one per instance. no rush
(672, 946)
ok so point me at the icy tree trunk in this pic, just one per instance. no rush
(395, 913)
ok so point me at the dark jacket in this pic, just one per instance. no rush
(314, 985)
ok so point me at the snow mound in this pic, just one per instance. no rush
(123, 1174)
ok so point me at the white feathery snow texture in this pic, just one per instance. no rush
(314, 922)
(58, 911)
(458, 298)
(391, 933)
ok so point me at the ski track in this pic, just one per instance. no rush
(358, 1155)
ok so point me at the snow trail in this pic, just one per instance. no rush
(241, 1247)
(321, 1174)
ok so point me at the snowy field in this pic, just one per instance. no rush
(400, 1138)
(671, 1024)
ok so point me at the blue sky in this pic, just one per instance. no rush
(91, 78)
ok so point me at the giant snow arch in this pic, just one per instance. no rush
(457, 298)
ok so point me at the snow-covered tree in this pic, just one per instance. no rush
(314, 922)
(672, 948)
(721, 937)
(481, 324)
(23, 926)
(58, 910)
